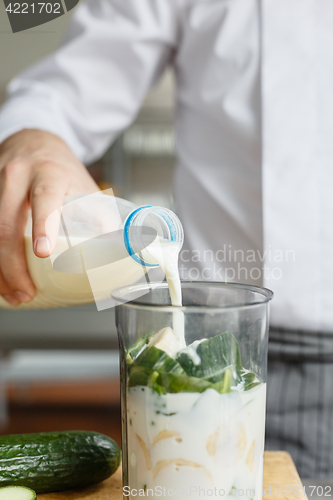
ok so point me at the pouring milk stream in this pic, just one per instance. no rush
(198, 439)
(193, 446)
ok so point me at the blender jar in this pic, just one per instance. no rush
(193, 421)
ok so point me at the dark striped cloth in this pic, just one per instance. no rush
(300, 399)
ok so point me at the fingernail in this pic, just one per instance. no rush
(42, 245)
(24, 297)
(14, 301)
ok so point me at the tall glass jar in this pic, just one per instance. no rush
(193, 421)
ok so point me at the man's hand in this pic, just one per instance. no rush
(37, 169)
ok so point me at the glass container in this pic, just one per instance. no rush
(193, 420)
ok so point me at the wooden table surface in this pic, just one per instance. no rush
(281, 481)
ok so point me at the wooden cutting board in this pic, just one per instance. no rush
(280, 481)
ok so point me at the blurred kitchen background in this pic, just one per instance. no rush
(59, 368)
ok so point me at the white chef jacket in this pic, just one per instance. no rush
(254, 128)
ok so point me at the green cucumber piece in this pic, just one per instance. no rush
(219, 367)
(17, 493)
(140, 345)
(216, 354)
(155, 359)
(55, 461)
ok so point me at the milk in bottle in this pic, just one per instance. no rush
(103, 243)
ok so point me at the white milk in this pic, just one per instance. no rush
(166, 254)
(191, 440)
(58, 289)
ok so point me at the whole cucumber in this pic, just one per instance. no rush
(55, 461)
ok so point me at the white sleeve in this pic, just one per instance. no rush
(93, 86)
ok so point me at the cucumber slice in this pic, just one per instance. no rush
(17, 493)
